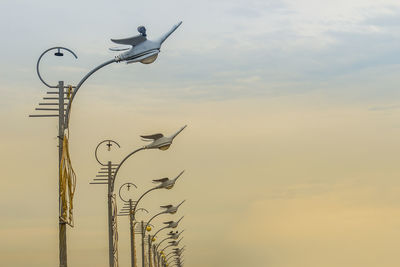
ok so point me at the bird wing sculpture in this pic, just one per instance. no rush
(160, 180)
(133, 41)
(152, 137)
(119, 48)
(166, 207)
(168, 222)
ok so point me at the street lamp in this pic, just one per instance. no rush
(170, 224)
(178, 260)
(179, 251)
(171, 209)
(159, 142)
(145, 52)
(132, 224)
(168, 209)
(171, 235)
(166, 183)
(141, 50)
(172, 243)
(109, 173)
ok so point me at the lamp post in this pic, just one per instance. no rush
(146, 52)
(106, 177)
(132, 224)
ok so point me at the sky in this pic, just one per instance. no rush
(291, 154)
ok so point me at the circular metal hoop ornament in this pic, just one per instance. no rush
(120, 188)
(97, 147)
(38, 62)
(142, 209)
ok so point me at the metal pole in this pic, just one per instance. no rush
(143, 232)
(133, 258)
(149, 244)
(110, 226)
(154, 255)
(62, 224)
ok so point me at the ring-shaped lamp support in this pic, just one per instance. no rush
(38, 62)
(120, 188)
(97, 147)
(142, 209)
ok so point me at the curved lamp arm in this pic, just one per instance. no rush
(165, 227)
(79, 86)
(140, 198)
(170, 245)
(169, 254)
(162, 241)
(175, 259)
(167, 259)
(152, 219)
(170, 237)
(119, 165)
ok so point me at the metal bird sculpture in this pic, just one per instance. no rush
(159, 140)
(172, 224)
(166, 182)
(141, 50)
(175, 243)
(171, 209)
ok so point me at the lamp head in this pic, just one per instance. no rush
(167, 183)
(58, 53)
(141, 49)
(159, 140)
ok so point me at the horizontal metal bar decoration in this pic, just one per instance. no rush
(39, 116)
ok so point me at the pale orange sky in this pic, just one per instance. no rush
(309, 185)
